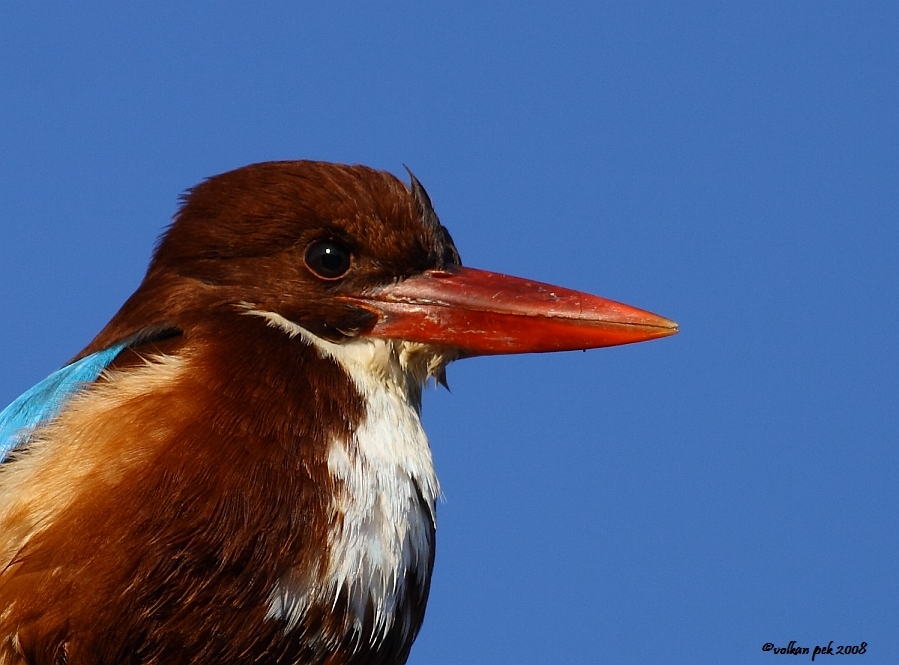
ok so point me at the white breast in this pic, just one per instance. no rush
(387, 489)
(385, 532)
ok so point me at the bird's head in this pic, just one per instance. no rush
(348, 254)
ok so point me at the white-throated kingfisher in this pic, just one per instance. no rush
(234, 470)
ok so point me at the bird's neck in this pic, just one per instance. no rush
(381, 539)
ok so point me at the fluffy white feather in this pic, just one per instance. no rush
(387, 487)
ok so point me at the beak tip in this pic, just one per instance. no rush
(668, 327)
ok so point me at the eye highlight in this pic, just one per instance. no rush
(328, 259)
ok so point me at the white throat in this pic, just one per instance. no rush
(386, 487)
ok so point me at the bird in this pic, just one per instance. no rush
(234, 469)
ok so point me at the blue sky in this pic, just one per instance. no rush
(733, 166)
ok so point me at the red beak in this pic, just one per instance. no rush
(485, 313)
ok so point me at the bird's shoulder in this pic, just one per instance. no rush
(42, 402)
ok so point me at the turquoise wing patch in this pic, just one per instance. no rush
(46, 399)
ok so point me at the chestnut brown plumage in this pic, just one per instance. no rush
(196, 502)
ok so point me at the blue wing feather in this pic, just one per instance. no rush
(46, 399)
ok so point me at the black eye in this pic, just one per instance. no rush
(328, 259)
